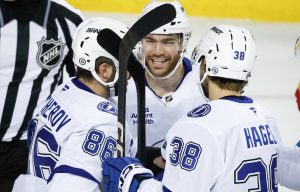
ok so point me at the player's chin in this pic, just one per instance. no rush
(160, 67)
(158, 72)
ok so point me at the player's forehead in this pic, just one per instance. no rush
(162, 37)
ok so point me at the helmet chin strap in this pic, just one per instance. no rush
(113, 90)
(200, 87)
(203, 78)
(113, 86)
(201, 91)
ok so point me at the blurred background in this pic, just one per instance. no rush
(275, 25)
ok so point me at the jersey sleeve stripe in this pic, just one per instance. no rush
(74, 171)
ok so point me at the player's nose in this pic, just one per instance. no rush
(158, 49)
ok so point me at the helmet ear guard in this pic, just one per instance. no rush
(87, 50)
(229, 51)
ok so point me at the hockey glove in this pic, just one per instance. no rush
(123, 174)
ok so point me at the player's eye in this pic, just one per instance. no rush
(169, 42)
(149, 41)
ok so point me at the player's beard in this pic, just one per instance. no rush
(172, 62)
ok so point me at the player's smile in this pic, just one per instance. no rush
(159, 66)
(158, 62)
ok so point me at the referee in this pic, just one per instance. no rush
(35, 45)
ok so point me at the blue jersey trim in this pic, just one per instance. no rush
(147, 85)
(238, 99)
(187, 68)
(82, 86)
(298, 144)
(165, 189)
(74, 171)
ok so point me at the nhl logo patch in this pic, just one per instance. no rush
(200, 111)
(50, 53)
(108, 108)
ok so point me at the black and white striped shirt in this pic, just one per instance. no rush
(32, 56)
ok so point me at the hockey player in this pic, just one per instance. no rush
(170, 83)
(289, 158)
(76, 130)
(35, 48)
(228, 144)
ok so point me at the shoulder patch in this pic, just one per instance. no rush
(200, 111)
(108, 107)
(50, 53)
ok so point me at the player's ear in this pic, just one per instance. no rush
(105, 71)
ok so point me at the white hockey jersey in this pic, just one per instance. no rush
(162, 112)
(230, 144)
(75, 132)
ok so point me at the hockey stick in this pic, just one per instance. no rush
(145, 25)
(110, 41)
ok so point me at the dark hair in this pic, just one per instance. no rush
(224, 83)
(229, 84)
(86, 74)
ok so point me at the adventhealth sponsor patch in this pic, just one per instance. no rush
(108, 107)
(149, 117)
(200, 111)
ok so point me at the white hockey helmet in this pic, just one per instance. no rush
(87, 50)
(229, 51)
(180, 25)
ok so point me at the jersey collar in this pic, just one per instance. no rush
(238, 99)
(40, 16)
(82, 86)
(187, 68)
(5, 14)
